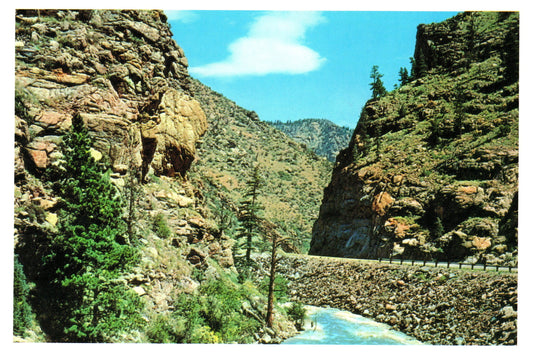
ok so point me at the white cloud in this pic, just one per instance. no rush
(185, 16)
(274, 44)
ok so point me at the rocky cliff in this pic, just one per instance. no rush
(431, 170)
(320, 135)
(122, 72)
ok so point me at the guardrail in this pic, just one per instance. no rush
(448, 264)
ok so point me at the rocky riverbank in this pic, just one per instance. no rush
(435, 305)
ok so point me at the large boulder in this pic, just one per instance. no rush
(169, 142)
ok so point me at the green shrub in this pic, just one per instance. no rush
(504, 129)
(161, 226)
(212, 316)
(21, 308)
(166, 329)
(297, 313)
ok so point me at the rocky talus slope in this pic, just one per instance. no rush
(128, 79)
(431, 170)
(437, 306)
(320, 135)
(293, 177)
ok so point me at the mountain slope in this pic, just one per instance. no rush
(294, 177)
(432, 168)
(125, 76)
(320, 135)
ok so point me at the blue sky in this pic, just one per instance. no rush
(295, 65)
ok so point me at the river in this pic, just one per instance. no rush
(330, 326)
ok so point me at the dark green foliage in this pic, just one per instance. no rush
(404, 76)
(364, 145)
(402, 111)
(413, 68)
(21, 308)
(504, 129)
(86, 299)
(161, 227)
(458, 121)
(297, 314)
(378, 138)
(281, 292)
(214, 315)
(250, 210)
(434, 137)
(419, 63)
(377, 87)
(472, 29)
(511, 53)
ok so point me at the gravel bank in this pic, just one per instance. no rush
(435, 305)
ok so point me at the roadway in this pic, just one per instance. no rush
(433, 264)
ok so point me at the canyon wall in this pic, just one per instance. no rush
(431, 170)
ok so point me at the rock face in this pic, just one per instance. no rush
(124, 74)
(432, 167)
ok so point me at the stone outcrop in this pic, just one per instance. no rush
(126, 76)
(431, 171)
(437, 306)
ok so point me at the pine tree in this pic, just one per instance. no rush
(250, 210)
(404, 76)
(87, 300)
(21, 308)
(276, 242)
(420, 66)
(378, 89)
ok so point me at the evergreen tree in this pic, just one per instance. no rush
(420, 67)
(87, 300)
(404, 76)
(272, 278)
(511, 54)
(378, 139)
(250, 210)
(413, 68)
(378, 89)
(21, 308)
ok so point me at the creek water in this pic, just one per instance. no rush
(330, 326)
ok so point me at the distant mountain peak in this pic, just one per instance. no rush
(322, 136)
